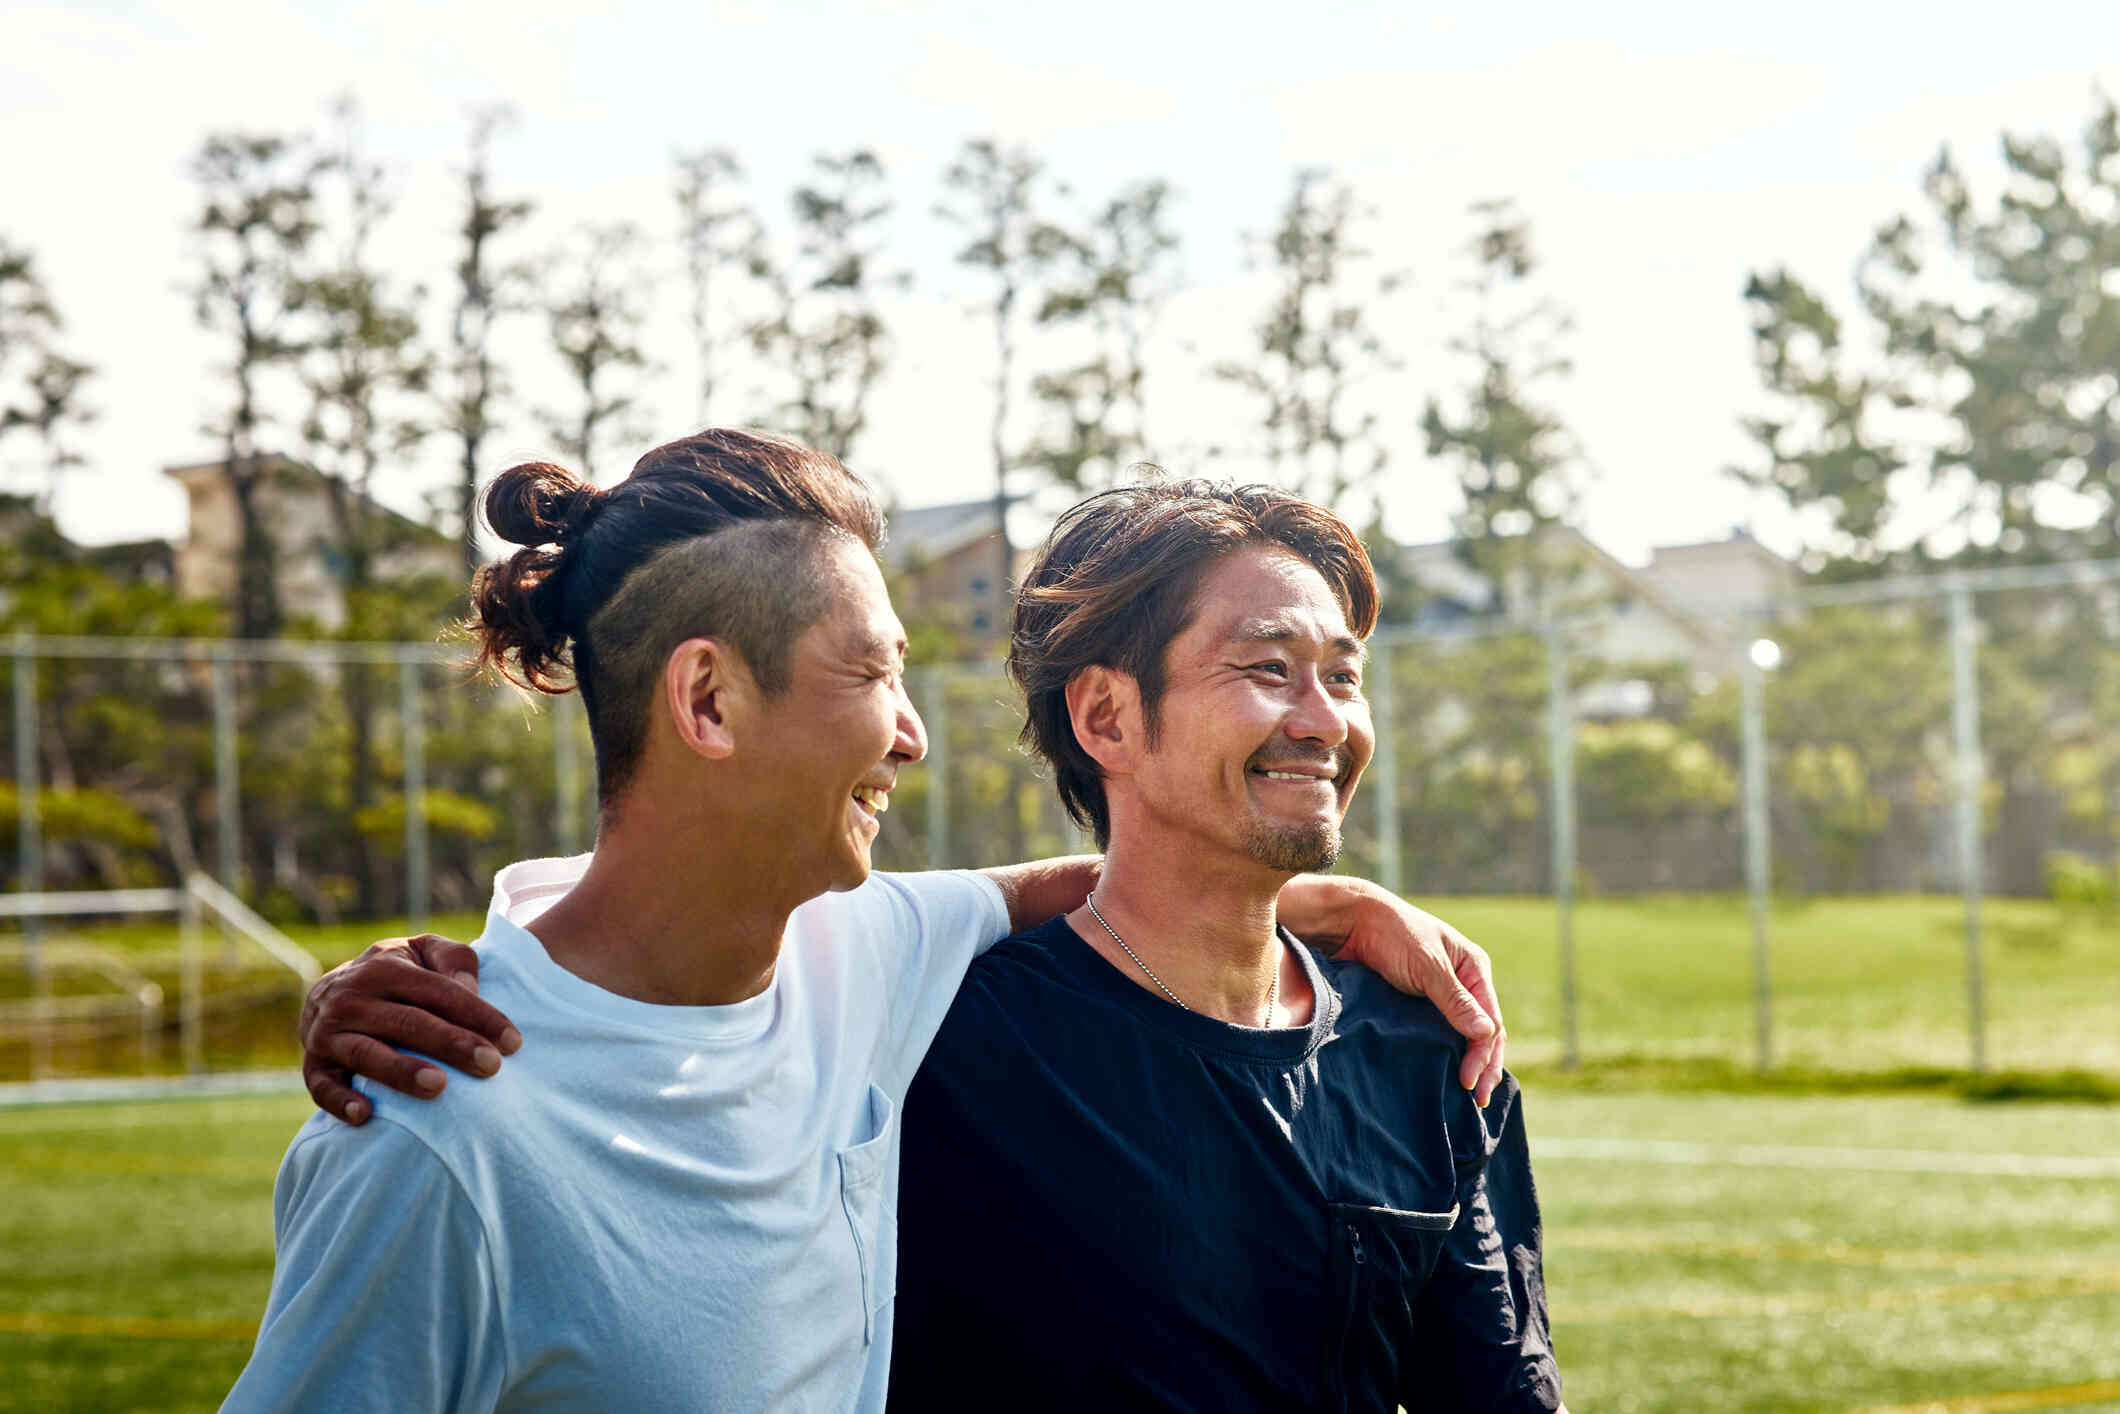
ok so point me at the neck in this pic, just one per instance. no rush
(669, 913)
(1208, 935)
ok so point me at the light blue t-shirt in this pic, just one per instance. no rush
(650, 1208)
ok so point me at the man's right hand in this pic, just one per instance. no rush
(420, 993)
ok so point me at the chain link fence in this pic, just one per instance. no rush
(1865, 826)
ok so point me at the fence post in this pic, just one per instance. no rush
(1965, 725)
(566, 777)
(938, 765)
(413, 726)
(191, 1009)
(1384, 769)
(227, 779)
(1758, 878)
(29, 842)
(1560, 747)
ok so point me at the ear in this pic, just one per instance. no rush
(707, 694)
(1104, 707)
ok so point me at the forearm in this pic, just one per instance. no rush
(1323, 909)
(1044, 887)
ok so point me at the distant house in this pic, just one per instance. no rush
(311, 563)
(1683, 606)
(945, 567)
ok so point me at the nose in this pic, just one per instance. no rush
(1316, 715)
(910, 744)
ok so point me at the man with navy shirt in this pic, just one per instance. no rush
(1160, 1157)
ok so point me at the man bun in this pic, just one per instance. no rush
(518, 609)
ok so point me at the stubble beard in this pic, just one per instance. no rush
(1309, 848)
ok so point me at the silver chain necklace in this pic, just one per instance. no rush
(1273, 988)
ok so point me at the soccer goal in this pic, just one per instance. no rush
(130, 1000)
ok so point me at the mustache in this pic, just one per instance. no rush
(1339, 759)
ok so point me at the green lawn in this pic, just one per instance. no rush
(1860, 984)
(139, 1252)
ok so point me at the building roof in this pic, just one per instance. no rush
(928, 533)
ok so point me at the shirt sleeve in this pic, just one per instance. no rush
(1481, 1318)
(382, 1289)
(938, 922)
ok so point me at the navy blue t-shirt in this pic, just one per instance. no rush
(1109, 1203)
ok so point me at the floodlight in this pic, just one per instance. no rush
(1766, 654)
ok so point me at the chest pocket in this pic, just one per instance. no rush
(861, 1174)
(1379, 1260)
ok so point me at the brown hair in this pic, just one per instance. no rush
(1116, 581)
(716, 534)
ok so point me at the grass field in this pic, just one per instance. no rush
(1704, 1252)
(1861, 984)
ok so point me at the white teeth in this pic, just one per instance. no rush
(876, 800)
(1288, 776)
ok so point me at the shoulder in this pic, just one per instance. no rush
(1028, 957)
(1369, 1004)
(899, 904)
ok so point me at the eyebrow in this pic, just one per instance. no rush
(1280, 631)
(876, 646)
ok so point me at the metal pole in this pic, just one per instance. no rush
(938, 765)
(1383, 706)
(566, 776)
(227, 780)
(29, 846)
(1965, 725)
(191, 1010)
(1758, 878)
(414, 729)
(1560, 745)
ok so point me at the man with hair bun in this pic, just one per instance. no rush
(680, 1193)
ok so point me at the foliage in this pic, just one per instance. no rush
(69, 815)
(2083, 883)
(1999, 330)
(1316, 344)
(446, 812)
(826, 334)
(712, 236)
(1517, 470)
(487, 291)
(1647, 770)
(997, 197)
(47, 382)
(256, 221)
(594, 314)
(1112, 279)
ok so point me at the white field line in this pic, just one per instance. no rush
(1791, 1156)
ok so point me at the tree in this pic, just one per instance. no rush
(486, 291)
(993, 195)
(713, 236)
(2002, 318)
(1820, 450)
(256, 221)
(363, 366)
(1114, 277)
(50, 381)
(1316, 344)
(595, 321)
(360, 358)
(826, 334)
(1516, 467)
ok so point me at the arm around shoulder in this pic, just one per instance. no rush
(383, 1293)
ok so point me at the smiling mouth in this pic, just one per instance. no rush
(871, 799)
(1297, 776)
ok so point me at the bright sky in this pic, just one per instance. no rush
(1662, 152)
